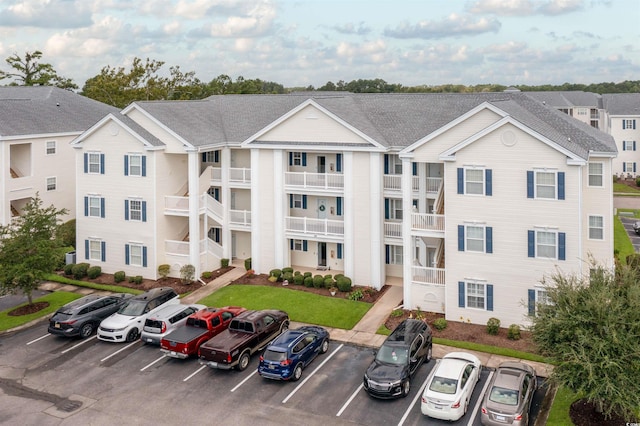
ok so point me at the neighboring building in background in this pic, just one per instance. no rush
(468, 200)
(36, 125)
(622, 112)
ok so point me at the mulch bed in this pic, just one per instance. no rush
(583, 413)
(28, 309)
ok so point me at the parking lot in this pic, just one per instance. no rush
(52, 380)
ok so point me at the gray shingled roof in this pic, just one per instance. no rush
(393, 120)
(569, 99)
(622, 103)
(35, 110)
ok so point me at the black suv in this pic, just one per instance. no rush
(397, 360)
(82, 316)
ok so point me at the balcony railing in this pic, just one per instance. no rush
(427, 222)
(176, 204)
(426, 275)
(393, 229)
(315, 226)
(314, 180)
(240, 175)
(216, 174)
(240, 217)
(394, 182)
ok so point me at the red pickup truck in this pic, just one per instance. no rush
(200, 327)
(248, 333)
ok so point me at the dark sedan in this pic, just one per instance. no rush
(292, 351)
(82, 316)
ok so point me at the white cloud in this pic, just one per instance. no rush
(452, 25)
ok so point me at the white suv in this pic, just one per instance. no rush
(166, 320)
(126, 324)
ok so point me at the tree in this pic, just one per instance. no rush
(590, 329)
(28, 248)
(31, 72)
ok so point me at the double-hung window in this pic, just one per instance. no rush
(297, 201)
(476, 295)
(536, 296)
(135, 254)
(474, 181)
(94, 206)
(298, 159)
(544, 184)
(51, 183)
(95, 249)
(596, 174)
(135, 165)
(94, 163)
(546, 244)
(393, 255)
(629, 167)
(596, 228)
(628, 145)
(629, 124)
(135, 209)
(475, 237)
(299, 245)
(393, 208)
(51, 147)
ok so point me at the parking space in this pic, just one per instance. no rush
(136, 380)
(628, 222)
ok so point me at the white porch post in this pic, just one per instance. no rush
(349, 205)
(407, 246)
(194, 208)
(378, 269)
(279, 168)
(255, 210)
(225, 161)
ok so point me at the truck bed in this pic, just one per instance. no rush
(184, 335)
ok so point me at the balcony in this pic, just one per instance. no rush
(238, 176)
(394, 183)
(424, 275)
(179, 206)
(314, 227)
(306, 181)
(393, 229)
(240, 219)
(427, 222)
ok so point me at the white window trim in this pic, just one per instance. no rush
(46, 148)
(298, 245)
(601, 175)
(550, 231)
(93, 241)
(395, 207)
(132, 256)
(595, 228)
(139, 157)
(482, 181)
(99, 199)
(55, 183)
(395, 255)
(466, 237)
(132, 210)
(296, 158)
(90, 163)
(539, 299)
(467, 294)
(297, 201)
(555, 184)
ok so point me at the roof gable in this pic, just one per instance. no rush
(117, 123)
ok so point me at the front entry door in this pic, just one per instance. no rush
(322, 254)
(322, 208)
(322, 164)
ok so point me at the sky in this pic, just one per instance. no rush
(301, 43)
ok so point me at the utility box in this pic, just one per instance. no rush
(70, 258)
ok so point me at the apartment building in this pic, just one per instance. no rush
(36, 125)
(467, 200)
(622, 112)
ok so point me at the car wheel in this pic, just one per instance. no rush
(86, 330)
(297, 373)
(132, 335)
(406, 388)
(325, 346)
(243, 362)
(429, 353)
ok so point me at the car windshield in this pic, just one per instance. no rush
(133, 309)
(504, 396)
(392, 355)
(443, 385)
(276, 356)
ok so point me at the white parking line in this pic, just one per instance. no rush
(245, 379)
(194, 373)
(413, 403)
(39, 338)
(149, 365)
(118, 351)
(346, 404)
(79, 344)
(477, 407)
(312, 373)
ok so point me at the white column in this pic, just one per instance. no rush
(194, 208)
(281, 252)
(255, 211)
(376, 176)
(407, 252)
(225, 194)
(422, 188)
(348, 217)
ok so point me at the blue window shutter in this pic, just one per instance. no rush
(86, 162)
(291, 158)
(531, 302)
(460, 180)
(386, 208)
(634, 167)
(216, 156)
(339, 206)
(461, 294)
(529, 183)
(414, 202)
(415, 168)
(304, 159)
(562, 240)
(489, 239)
(291, 244)
(144, 211)
(86, 206)
(489, 297)
(624, 167)
(101, 164)
(290, 201)
(144, 256)
(304, 202)
(387, 255)
(103, 247)
(338, 162)
(126, 254)
(339, 250)
(560, 185)
(460, 237)
(634, 145)
(126, 165)
(624, 145)
(144, 165)
(126, 209)
(305, 245)
(86, 249)
(102, 207)
(634, 124)
(488, 182)
(531, 243)
(624, 124)
(386, 164)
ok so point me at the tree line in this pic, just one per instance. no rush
(147, 80)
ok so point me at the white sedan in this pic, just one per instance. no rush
(450, 385)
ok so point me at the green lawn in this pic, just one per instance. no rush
(301, 306)
(55, 299)
(622, 188)
(559, 412)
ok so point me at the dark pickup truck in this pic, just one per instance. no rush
(200, 327)
(248, 333)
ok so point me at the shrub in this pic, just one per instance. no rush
(396, 313)
(187, 273)
(68, 269)
(247, 263)
(224, 263)
(493, 326)
(119, 276)
(136, 280)
(288, 276)
(298, 279)
(206, 275)
(297, 273)
(163, 270)
(276, 273)
(318, 281)
(329, 282)
(328, 276)
(356, 295)
(440, 324)
(308, 282)
(638, 181)
(336, 276)
(288, 269)
(94, 272)
(79, 270)
(66, 233)
(307, 274)
(344, 284)
(513, 332)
